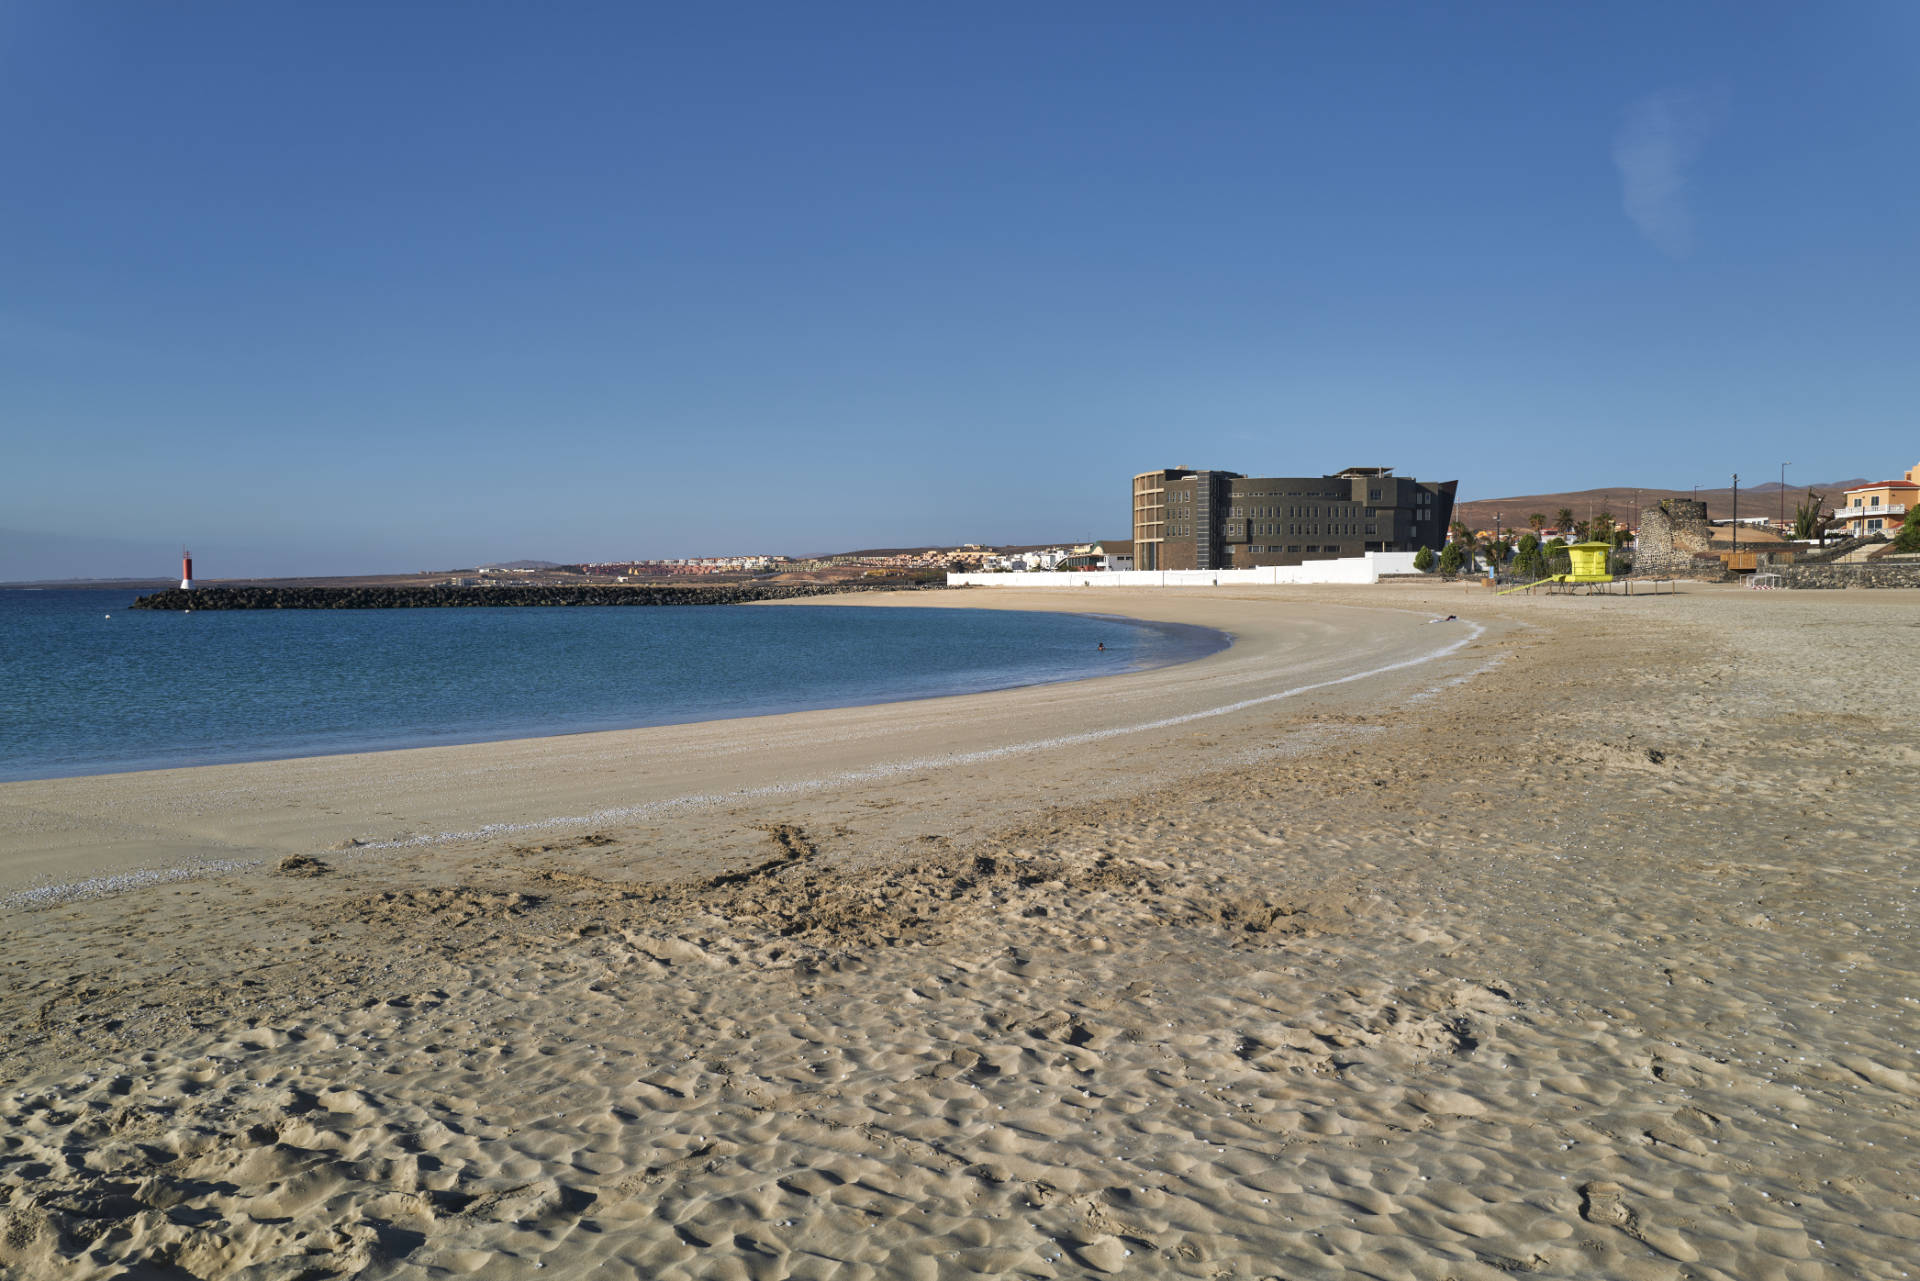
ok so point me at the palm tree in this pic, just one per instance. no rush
(1537, 522)
(1494, 550)
(1809, 518)
(1563, 519)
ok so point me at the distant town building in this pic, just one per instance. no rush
(1114, 554)
(1187, 519)
(623, 570)
(1879, 508)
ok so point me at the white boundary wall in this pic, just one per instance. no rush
(1359, 569)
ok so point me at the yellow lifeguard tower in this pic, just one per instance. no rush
(1587, 564)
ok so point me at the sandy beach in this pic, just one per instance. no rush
(1571, 937)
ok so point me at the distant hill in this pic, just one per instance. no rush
(521, 564)
(1761, 500)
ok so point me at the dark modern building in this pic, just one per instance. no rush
(1186, 519)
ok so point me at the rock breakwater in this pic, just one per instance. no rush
(478, 597)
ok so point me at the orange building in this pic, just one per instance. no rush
(1878, 508)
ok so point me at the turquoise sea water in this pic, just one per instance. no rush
(83, 693)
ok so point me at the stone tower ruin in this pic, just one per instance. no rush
(1670, 534)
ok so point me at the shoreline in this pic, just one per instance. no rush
(1201, 642)
(212, 815)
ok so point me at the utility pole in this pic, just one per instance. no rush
(1736, 513)
(1782, 522)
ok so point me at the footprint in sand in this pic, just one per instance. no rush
(1605, 1204)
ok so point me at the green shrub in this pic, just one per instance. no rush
(1908, 539)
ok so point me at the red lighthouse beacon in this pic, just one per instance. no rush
(186, 570)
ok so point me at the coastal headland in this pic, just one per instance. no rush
(1567, 936)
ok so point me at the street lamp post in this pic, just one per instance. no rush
(1736, 513)
(1783, 497)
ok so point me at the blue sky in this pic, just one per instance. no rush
(335, 287)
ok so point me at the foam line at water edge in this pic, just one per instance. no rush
(47, 894)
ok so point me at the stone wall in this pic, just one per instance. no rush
(1672, 533)
(1868, 574)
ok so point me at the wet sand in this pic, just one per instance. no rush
(1572, 938)
(71, 830)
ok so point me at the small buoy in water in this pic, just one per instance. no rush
(109, 615)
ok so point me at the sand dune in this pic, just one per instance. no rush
(1583, 949)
